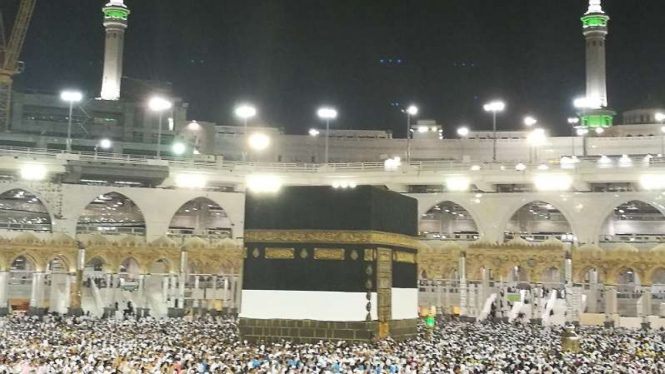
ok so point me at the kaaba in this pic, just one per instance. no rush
(329, 264)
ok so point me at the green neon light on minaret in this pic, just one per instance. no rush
(596, 120)
(595, 20)
(116, 13)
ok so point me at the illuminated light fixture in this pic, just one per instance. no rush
(573, 120)
(245, 111)
(458, 184)
(543, 167)
(259, 141)
(652, 182)
(392, 164)
(344, 184)
(553, 182)
(194, 126)
(475, 168)
(71, 96)
(463, 131)
(588, 103)
(159, 104)
(422, 129)
(537, 138)
(261, 183)
(660, 117)
(599, 130)
(582, 132)
(327, 113)
(530, 121)
(625, 161)
(604, 160)
(520, 167)
(33, 172)
(179, 148)
(495, 106)
(191, 180)
(314, 132)
(105, 143)
(412, 110)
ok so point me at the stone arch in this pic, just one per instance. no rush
(580, 275)
(131, 266)
(428, 204)
(655, 275)
(27, 203)
(447, 220)
(65, 262)
(545, 208)
(216, 212)
(98, 262)
(614, 276)
(551, 276)
(167, 264)
(31, 260)
(629, 217)
(92, 217)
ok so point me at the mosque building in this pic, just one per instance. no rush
(558, 229)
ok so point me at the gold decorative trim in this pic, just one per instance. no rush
(354, 255)
(370, 255)
(337, 254)
(255, 253)
(330, 237)
(304, 254)
(280, 253)
(409, 258)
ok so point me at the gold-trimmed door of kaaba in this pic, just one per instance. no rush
(384, 284)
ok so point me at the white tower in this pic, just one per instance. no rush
(116, 14)
(595, 31)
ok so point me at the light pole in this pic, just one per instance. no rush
(494, 107)
(71, 97)
(462, 132)
(159, 105)
(573, 121)
(245, 112)
(327, 114)
(411, 111)
(660, 117)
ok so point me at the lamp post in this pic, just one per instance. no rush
(327, 114)
(462, 132)
(494, 107)
(245, 112)
(71, 97)
(660, 117)
(573, 121)
(411, 111)
(159, 104)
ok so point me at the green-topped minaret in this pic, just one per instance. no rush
(595, 28)
(116, 15)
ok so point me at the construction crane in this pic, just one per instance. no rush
(10, 51)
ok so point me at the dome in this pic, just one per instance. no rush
(553, 241)
(624, 247)
(163, 241)
(590, 248)
(26, 237)
(518, 241)
(61, 238)
(226, 243)
(658, 249)
(195, 242)
(97, 239)
(130, 240)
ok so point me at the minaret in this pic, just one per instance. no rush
(595, 31)
(116, 14)
(596, 114)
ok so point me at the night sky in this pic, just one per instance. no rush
(290, 56)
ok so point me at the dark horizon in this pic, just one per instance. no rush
(289, 57)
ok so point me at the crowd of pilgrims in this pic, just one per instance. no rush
(212, 345)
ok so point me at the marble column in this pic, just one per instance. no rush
(610, 304)
(37, 295)
(75, 294)
(646, 306)
(4, 293)
(572, 316)
(463, 287)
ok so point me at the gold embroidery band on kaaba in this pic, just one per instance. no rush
(280, 253)
(409, 258)
(330, 237)
(329, 254)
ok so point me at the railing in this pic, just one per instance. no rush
(216, 164)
